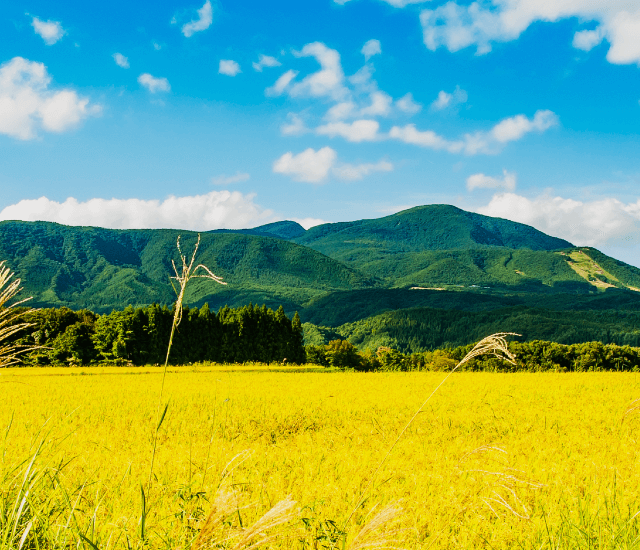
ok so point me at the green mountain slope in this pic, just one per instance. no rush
(101, 269)
(432, 227)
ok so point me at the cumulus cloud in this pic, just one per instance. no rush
(229, 67)
(445, 99)
(49, 31)
(480, 181)
(358, 171)
(27, 103)
(457, 26)
(371, 47)
(281, 84)
(328, 81)
(309, 166)
(154, 84)
(214, 210)
(205, 18)
(227, 180)
(597, 223)
(121, 60)
(357, 131)
(407, 105)
(491, 142)
(265, 61)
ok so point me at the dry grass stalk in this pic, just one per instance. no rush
(188, 272)
(495, 345)
(633, 406)
(375, 533)
(10, 353)
(212, 533)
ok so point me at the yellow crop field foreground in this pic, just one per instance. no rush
(494, 461)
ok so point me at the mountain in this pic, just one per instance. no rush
(103, 269)
(431, 227)
(429, 258)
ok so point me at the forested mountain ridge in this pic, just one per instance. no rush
(104, 269)
(332, 274)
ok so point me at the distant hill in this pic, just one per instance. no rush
(281, 230)
(103, 269)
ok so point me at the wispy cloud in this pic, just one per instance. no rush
(27, 103)
(491, 142)
(309, 166)
(281, 84)
(227, 180)
(357, 131)
(229, 67)
(49, 31)
(481, 181)
(203, 22)
(265, 61)
(121, 60)
(371, 47)
(445, 99)
(315, 166)
(154, 84)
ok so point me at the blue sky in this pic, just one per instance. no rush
(234, 114)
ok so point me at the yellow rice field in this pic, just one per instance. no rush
(494, 461)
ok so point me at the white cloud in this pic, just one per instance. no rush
(310, 165)
(394, 3)
(380, 105)
(514, 128)
(457, 27)
(294, 127)
(358, 171)
(229, 67)
(156, 46)
(445, 99)
(226, 180)
(357, 131)
(599, 222)
(308, 223)
(407, 105)
(328, 81)
(428, 138)
(27, 103)
(205, 18)
(371, 48)
(341, 110)
(480, 181)
(50, 31)
(281, 84)
(214, 210)
(154, 84)
(587, 40)
(265, 61)
(121, 60)
(491, 142)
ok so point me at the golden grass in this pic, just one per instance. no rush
(495, 460)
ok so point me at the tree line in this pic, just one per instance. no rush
(140, 336)
(533, 356)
